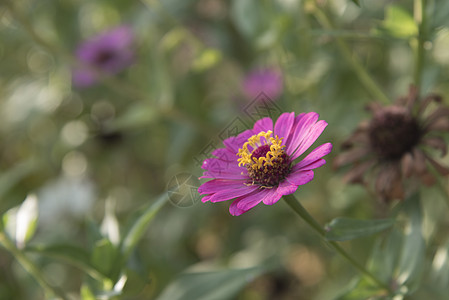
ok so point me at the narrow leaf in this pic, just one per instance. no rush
(139, 226)
(73, 255)
(342, 229)
(210, 285)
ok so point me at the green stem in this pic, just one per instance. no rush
(352, 60)
(29, 266)
(421, 20)
(302, 212)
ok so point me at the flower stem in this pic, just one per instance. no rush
(302, 212)
(421, 20)
(29, 266)
(352, 60)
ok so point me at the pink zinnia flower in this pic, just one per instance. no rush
(109, 53)
(258, 165)
(267, 81)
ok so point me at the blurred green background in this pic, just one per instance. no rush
(94, 157)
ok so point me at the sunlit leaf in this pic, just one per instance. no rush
(223, 284)
(361, 289)
(20, 222)
(399, 23)
(342, 229)
(206, 60)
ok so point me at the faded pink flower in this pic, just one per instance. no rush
(267, 81)
(107, 53)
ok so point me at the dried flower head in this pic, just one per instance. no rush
(394, 147)
(259, 164)
(107, 53)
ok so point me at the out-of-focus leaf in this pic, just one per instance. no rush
(356, 2)
(11, 177)
(86, 293)
(399, 23)
(140, 224)
(210, 285)
(247, 15)
(136, 116)
(72, 254)
(135, 284)
(342, 229)
(26, 220)
(206, 60)
(439, 274)
(20, 222)
(115, 291)
(110, 226)
(412, 257)
(361, 289)
(104, 256)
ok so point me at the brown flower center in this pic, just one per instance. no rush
(393, 132)
(104, 57)
(270, 174)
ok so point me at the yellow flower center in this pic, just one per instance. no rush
(264, 158)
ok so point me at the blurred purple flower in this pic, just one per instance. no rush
(106, 53)
(268, 81)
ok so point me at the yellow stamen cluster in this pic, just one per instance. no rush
(255, 142)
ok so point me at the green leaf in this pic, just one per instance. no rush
(411, 263)
(361, 289)
(356, 2)
(136, 116)
(440, 267)
(223, 284)
(73, 255)
(343, 229)
(139, 226)
(11, 177)
(248, 16)
(104, 256)
(399, 23)
(86, 293)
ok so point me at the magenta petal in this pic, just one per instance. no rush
(234, 210)
(224, 175)
(225, 155)
(312, 165)
(206, 198)
(301, 131)
(264, 124)
(249, 201)
(232, 193)
(272, 197)
(286, 188)
(292, 131)
(283, 126)
(313, 157)
(300, 177)
(216, 185)
(308, 140)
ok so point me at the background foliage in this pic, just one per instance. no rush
(93, 164)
